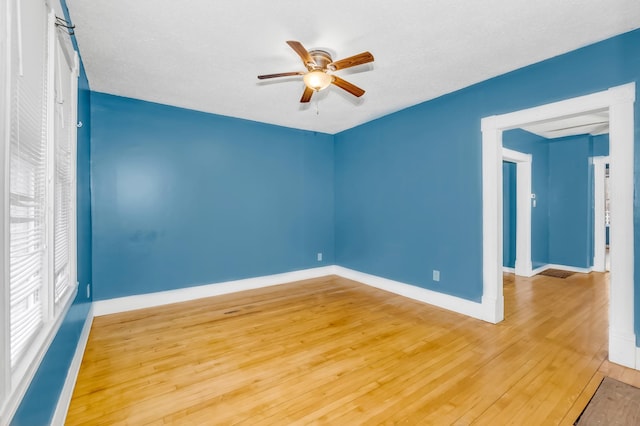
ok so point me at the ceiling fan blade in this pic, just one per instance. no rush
(281, 74)
(352, 61)
(307, 60)
(345, 85)
(306, 95)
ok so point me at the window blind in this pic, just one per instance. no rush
(27, 176)
(38, 210)
(63, 181)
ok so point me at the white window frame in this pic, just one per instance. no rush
(15, 382)
(5, 380)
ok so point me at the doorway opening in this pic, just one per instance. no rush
(618, 102)
(523, 264)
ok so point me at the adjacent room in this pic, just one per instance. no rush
(373, 213)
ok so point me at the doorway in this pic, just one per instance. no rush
(618, 102)
(523, 264)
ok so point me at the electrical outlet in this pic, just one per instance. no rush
(436, 275)
(319, 257)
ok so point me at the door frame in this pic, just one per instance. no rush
(619, 102)
(599, 227)
(523, 266)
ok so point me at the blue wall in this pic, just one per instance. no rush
(408, 185)
(570, 202)
(402, 183)
(39, 403)
(600, 145)
(509, 209)
(184, 198)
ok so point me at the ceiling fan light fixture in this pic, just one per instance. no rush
(319, 66)
(317, 80)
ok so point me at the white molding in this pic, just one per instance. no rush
(492, 289)
(565, 268)
(441, 300)
(148, 300)
(621, 248)
(539, 269)
(599, 227)
(523, 265)
(618, 101)
(64, 400)
(561, 267)
(5, 120)
(622, 348)
(574, 106)
(508, 270)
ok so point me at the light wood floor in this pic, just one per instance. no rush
(332, 351)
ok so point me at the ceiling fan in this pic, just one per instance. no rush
(319, 63)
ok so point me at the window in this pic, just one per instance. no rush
(64, 225)
(38, 91)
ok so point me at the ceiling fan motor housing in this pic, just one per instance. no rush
(321, 58)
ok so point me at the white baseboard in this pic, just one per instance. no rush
(441, 300)
(622, 348)
(561, 267)
(540, 269)
(509, 269)
(64, 400)
(445, 301)
(149, 300)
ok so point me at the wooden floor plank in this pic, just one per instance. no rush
(333, 351)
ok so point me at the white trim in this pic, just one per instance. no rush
(515, 156)
(492, 291)
(618, 101)
(637, 356)
(148, 300)
(564, 268)
(64, 400)
(599, 227)
(48, 305)
(561, 267)
(5, 125)
(523, 265)
(441, 300)
(622, 336)
(508, 270)
(539, 269)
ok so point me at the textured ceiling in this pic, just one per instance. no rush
(205, 55)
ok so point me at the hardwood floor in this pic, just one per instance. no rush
(332, 351)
